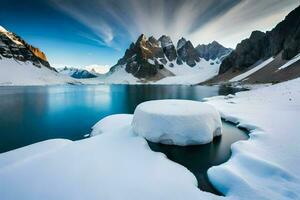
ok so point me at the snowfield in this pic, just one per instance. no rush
(177, 122)
(117, 164)
(267, 165)
(14, 72)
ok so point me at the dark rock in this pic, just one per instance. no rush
(285, 38)
(168, 47)
(187, 53)
(13, 46)
(213, 51)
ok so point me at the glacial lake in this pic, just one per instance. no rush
(33, 114)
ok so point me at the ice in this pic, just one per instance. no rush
(177, 122)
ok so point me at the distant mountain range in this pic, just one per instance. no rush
(151, 59)
(78, 73)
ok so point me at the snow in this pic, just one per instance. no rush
(111, 123)
(2, 29)
(267, 165)
(290, 62)
(184, 74)
(252, 71)
(151, 61)
(118, 164)
(14, 72)
(10, 36)
(120, 76)
(177, 122)
(108, 166)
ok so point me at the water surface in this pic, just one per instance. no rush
(32, 114)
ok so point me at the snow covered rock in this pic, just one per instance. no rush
(177, 122)
(111, 123)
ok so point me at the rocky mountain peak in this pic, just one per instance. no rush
(148, 56)
(13, 46)
(181, 43)
(213, 51)
(168, 47)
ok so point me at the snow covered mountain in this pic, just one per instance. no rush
(77, 73)
(269, 57)
(23, 64)
(158, 61)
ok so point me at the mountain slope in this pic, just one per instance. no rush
(23, 64)
(150, 60)
(281, 43)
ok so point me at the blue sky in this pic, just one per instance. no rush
(77, 33)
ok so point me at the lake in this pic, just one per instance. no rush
(32, 114)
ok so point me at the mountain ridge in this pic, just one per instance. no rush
(153, 59)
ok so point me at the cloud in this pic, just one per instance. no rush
(115, 22)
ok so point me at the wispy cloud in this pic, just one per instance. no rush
(229, 21)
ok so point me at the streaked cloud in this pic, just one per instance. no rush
(114, 22)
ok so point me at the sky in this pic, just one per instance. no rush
(78, 33)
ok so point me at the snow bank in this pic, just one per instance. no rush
(252, 71)
(267, 165)
(177, 122)
(108, 166)
(111, 123)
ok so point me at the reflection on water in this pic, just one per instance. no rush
(32, 114)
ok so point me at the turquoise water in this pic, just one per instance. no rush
(32, 114)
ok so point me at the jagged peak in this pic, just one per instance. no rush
(181, 43)
(2, 29)
(142, 37)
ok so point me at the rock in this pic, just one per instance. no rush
(285, 38)
(177, 122)
(187, 53)
(168, 47)
(13, 46)
(213, 51)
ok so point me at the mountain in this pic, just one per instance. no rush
(77, 73)
(152, 60)
(13, 46)
(24, 64)
(213, 51)
(266, 57)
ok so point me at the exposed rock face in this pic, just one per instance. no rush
(148, 56)
(213, 51)
(168, 47)
(13, 46)
(187, 53)
(285, 38)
